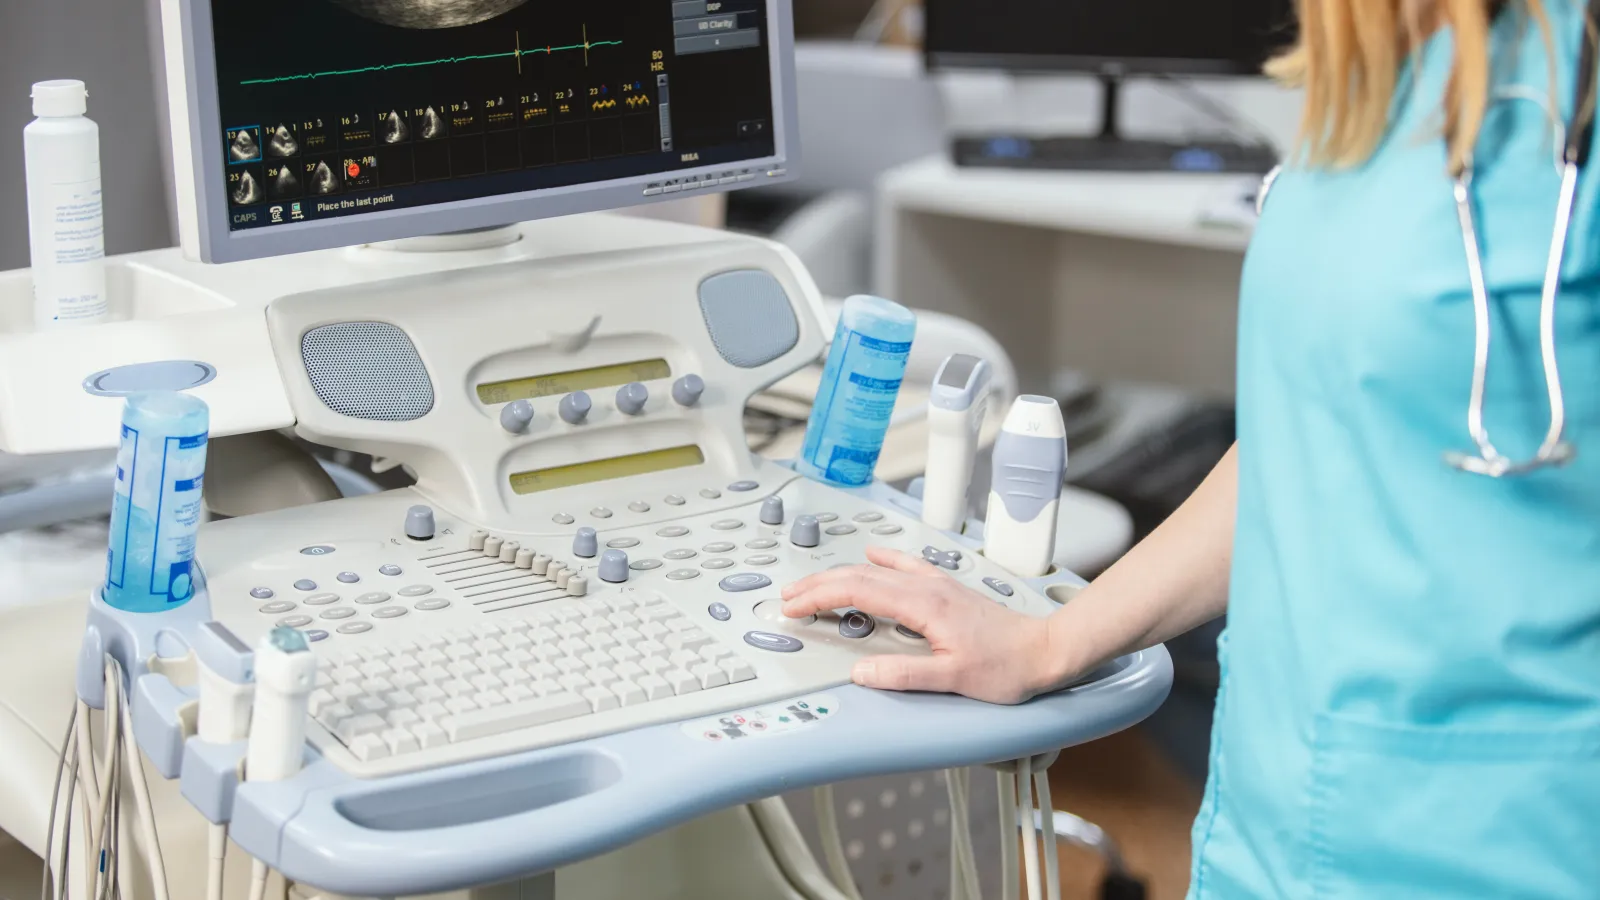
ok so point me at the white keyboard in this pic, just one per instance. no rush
(586, 656)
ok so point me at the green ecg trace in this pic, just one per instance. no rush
(310, 76)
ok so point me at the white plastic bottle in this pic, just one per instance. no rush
(66, 227)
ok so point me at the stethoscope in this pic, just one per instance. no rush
(1574, 138)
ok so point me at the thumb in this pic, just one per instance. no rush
(905, 673)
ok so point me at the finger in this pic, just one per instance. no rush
(881, 592)
(906, 673)
(817, 579)
(902, 562)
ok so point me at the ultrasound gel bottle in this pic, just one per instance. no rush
(158, 505)
(66, 226)
(860, 384)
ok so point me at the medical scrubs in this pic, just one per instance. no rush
(1410, 705)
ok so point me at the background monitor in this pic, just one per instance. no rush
(307, 124)
(1199, 37)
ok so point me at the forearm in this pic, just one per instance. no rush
(1173, 581)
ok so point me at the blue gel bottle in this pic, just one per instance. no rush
(860, 384)
(156, 513)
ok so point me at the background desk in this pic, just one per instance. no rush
(1110, 274)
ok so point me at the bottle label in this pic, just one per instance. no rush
(854, 403)
(155, 519)
(69, 278)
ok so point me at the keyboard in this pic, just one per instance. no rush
(1119, 155)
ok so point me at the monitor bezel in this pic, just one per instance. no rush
(1050, 64)
(199, 166)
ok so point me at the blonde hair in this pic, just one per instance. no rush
(1348, 60)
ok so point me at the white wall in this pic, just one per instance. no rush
(107, 44)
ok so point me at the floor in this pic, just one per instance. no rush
(1125, 786)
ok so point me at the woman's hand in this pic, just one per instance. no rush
(981, 649)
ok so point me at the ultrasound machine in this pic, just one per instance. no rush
(563, 645)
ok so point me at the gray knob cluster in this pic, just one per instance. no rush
(686, 391)
(575, 407)
(772, 511)
(614, 567)
(807, 532)
(586, 543)
(515, 417)
(419, 523)
(631, 398)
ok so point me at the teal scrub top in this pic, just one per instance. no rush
(1410, 705)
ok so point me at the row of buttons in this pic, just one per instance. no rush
(640, 506)
(698, 183)
(306, 585)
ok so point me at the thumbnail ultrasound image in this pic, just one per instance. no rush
(244, 147)
(430, 13)
(281, 143)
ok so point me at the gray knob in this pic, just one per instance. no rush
(575, 407)
(631, 398)
(614, 567)
(419, 523)
(586, 544)
(772, 511)
(807, 532)
(686, 391)
(514, 417)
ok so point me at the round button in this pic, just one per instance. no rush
(683, 574)
(761, 559)
(622, 543)
(277, 608)
(855, 625)
(389, 612)
(743, 487)
(772, 611)
(777, 643)
(305, 584)
(745, 581)
(437, 603)
(867, 518)
(672, 531)
(600, 512)
(841, 530)
(720, 612)
(717, 564)
(355, 628)
(416, 590)
(886, 530)
(562, 519)
(680, 555)
(261, 593)
(322, 599)
(391, 570)
(339, 612)
(762, 544)
(909, 633)
(711, 494)
(316, 634)
(674, 500)
(373, 598)
(645, 565)
(727, 525)
(639, 506)
(318, 550)
(825, 518)
(294, 622)
(718, 547)
(348, 578)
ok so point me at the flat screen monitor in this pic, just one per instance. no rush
(307, 124)
(1189, 37)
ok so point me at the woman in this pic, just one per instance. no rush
(1410, 704)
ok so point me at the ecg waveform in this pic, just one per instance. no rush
(517, 54)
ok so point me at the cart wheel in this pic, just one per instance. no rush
(1122, 887)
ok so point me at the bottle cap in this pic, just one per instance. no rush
(60, 98)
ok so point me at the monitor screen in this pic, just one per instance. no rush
(1174, 36)
(333, 109)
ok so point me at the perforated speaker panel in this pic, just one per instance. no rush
(367, 370)
(749, 317)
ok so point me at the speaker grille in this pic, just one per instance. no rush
(367, 370)
(749, 317)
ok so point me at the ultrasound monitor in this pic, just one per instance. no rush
(309, 124)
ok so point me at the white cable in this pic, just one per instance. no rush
(258, 880)
(1030, 840)
(790, 851)
(145, 808)
(833, 842)
(217, 840)
(1006, 783)
(965, 871)
(46, 877)
(1052, 860)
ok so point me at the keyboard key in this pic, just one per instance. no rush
(683, 659)
(544, 672)
(331, 716)
(324, 678)
(680, 625)
(405, 681)
(490, 699)
(429, 693)
(487, 682)
(493, 663)
(624, 654)
(518, 693)
(629, 671)
(628, 636)
(464, 669)
(376, 669)
(519, 657)
(545, 636)
(433, 657)
(570, 630)
(437, 675)
(624, 602)
(512, 716)
(601, 699)
(518, 627)
(378, 686)
(602, 641)
(368, 703)
(458, 688)
(653, 648)
(737, 670)
(460, 704)
(622, 620)
(489, 630)
(596, 606)
(401, 741)
(405, 664)
(628, 693)
(369, 747)
(575, 647)
(514, 676)
(710, 676)
(358, 725)
(654, 630)
(376, 651)
(595, 658)
(348, 675)
(655, 687)
(430, 735)
(660, 613)
(460, 651)
(519, 641)
(682, 682)
(655, 664)
(433, 641)
(319, 700)
(486, 646)
(569, 664)
(433, 712)
(693, 639)
(346, 692)
(602, 676)
(595, 624)
(574, 682)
